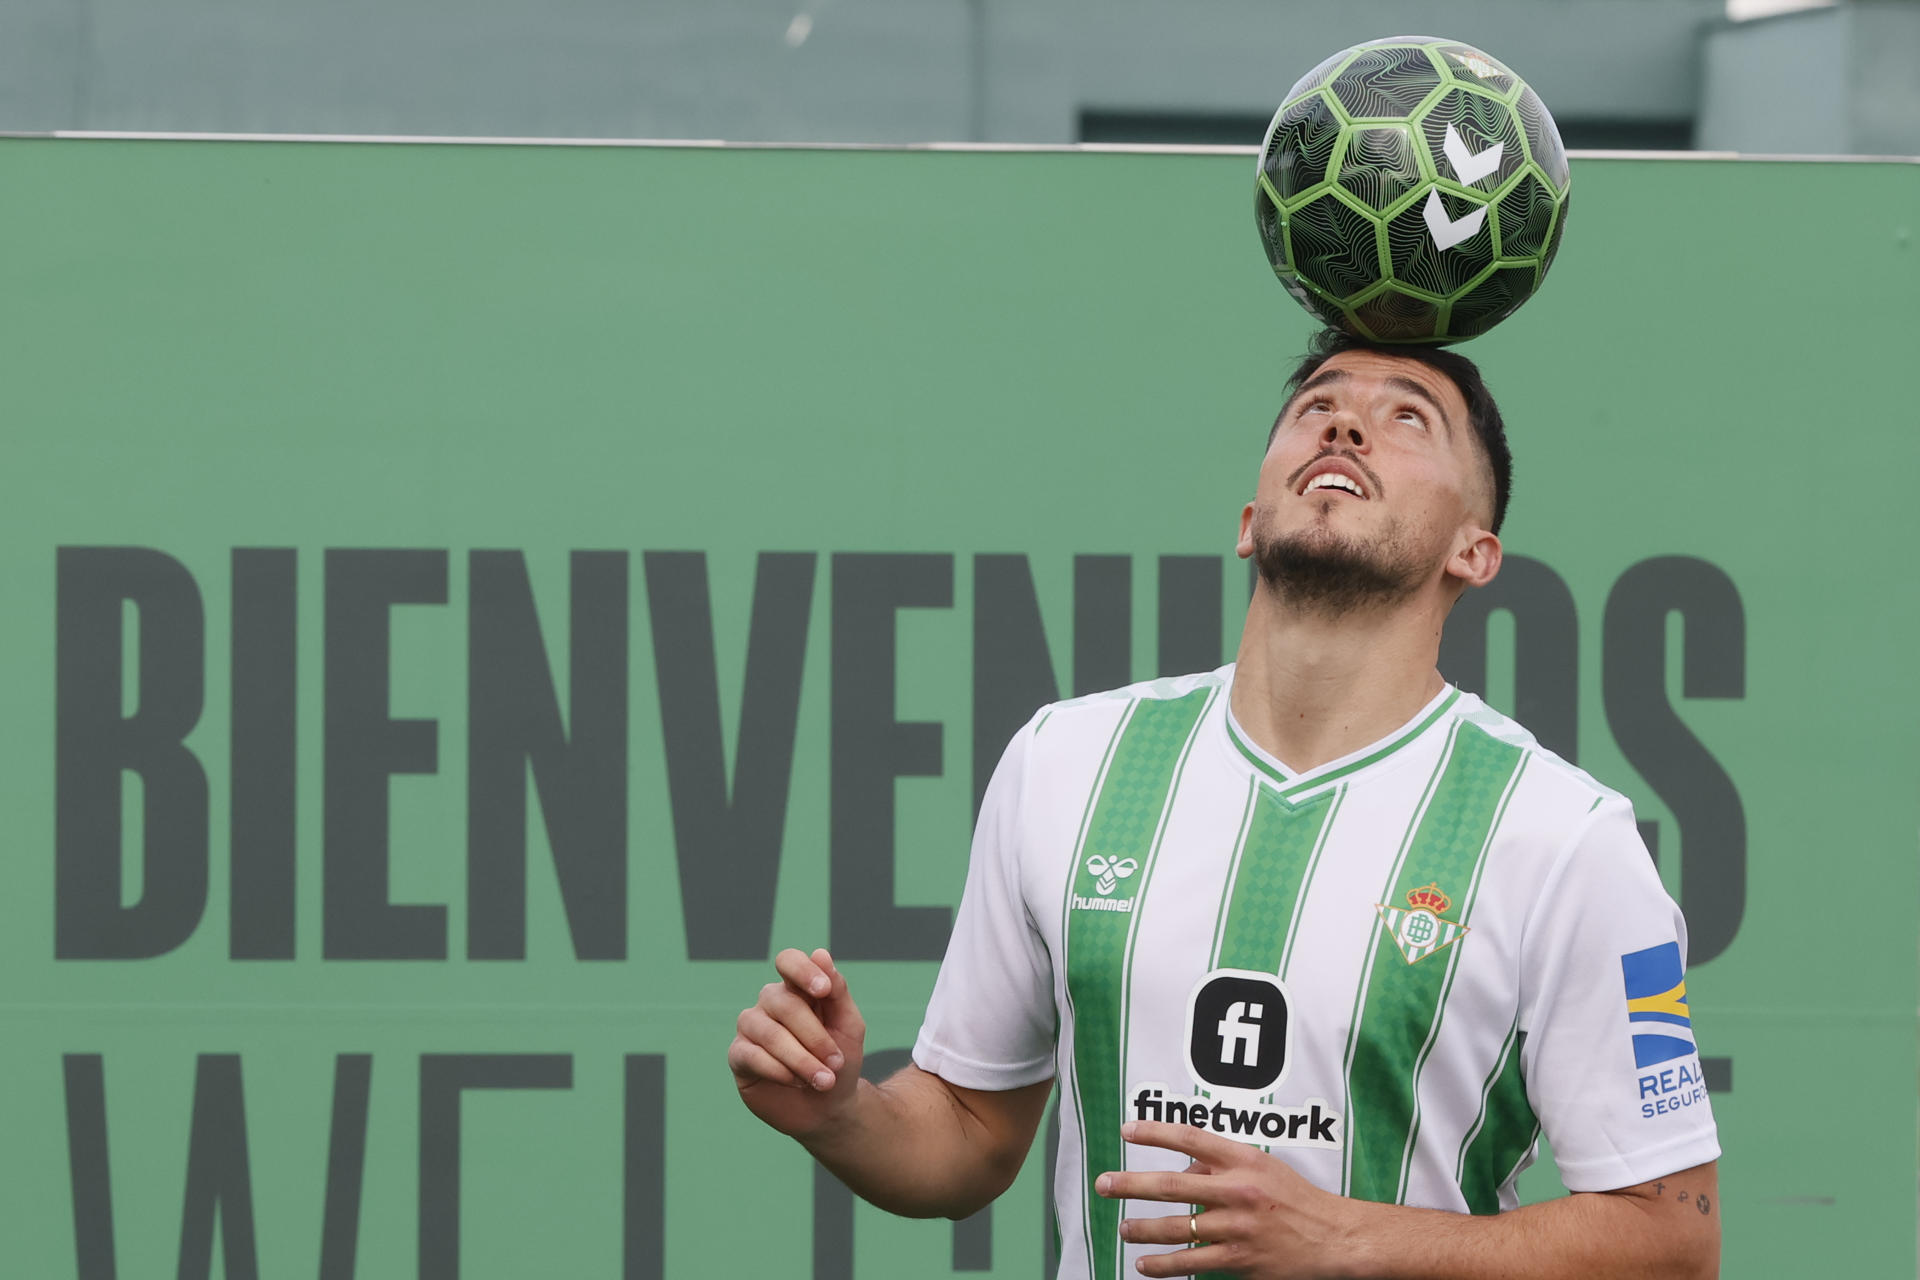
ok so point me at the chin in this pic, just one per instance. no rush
(1323, 568)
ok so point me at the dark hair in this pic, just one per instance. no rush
(1482, 413)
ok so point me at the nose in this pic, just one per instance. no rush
(1343, 428)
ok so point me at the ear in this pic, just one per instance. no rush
(1476, 563)
(1244, 547)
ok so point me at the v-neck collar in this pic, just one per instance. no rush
(1289, 785)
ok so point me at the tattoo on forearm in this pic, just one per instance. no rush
(1700, 1202)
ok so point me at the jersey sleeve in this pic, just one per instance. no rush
(1610, 1061)
(990, 1023)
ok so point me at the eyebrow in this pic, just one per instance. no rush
(1319, 379)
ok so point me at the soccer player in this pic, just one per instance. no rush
(1315, 945)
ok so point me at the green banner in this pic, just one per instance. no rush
(464, 608)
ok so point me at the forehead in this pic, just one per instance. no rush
(1374, 371)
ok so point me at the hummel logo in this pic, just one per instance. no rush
(1469, 168)
(1110, 872)
(1445, 231)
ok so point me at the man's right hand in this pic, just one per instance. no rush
(796, 1052)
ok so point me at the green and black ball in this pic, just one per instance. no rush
(1412, 189)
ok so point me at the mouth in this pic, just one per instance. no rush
(1333, 476)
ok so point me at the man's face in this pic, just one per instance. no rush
(1371, 485)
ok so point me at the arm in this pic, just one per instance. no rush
(1261, 1219)
(1666, 1228)
(913, 1145)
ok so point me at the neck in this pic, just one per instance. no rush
(1309, 688)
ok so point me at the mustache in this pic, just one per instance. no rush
(1293, 481)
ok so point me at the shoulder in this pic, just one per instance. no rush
(1097, 716)
(1553, 783)
(1554, 817)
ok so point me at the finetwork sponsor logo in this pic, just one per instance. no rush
(1261, 1124)
(1238, 1031)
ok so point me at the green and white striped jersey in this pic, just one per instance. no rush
(1393, 971)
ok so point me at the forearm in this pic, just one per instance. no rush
(913, 1147)
(1591, 1236)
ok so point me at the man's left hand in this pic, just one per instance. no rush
(1256, 1216)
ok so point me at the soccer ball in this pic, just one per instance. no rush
(1411, 189)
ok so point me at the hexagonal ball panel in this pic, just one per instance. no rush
(1333, 246)
(1482, 122)
(1553, 243)
(1380, 164)
(1318, 307)
(1385, 81)
(1392, 316)
(1491, 301)
(1273, 238)
(1543, 138)
(1525, 217)
(1420, 262)
(1300, 147)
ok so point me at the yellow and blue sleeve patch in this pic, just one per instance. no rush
(1657, 1004)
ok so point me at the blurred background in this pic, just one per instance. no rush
(231, 359)
(1779, 77)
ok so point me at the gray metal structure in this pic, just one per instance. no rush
(1617, 73)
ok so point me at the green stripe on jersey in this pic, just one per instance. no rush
(1453, 968)
(1104, 888)
(1401, 1002)
(1262, 903)
(1272, 870)
(1503, 1134)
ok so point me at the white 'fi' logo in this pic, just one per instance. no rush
(1111, 873)
(1469, 168)
(1240, 1034)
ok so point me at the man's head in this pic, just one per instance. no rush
(1386, 472)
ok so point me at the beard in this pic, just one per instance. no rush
(1319, 571)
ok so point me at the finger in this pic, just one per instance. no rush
(1175, 1228)
(838, 1009)
(802, 973)
(757, 1026)
(753, 1065)
(798, 1017)
(1172, 1188)
(824, 959)
(1191, 1262)
(839, 989)
(1209, 1148)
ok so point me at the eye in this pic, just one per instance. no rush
(1317, 406)
(1411, 415)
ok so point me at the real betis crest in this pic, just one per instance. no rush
(1418, 928)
